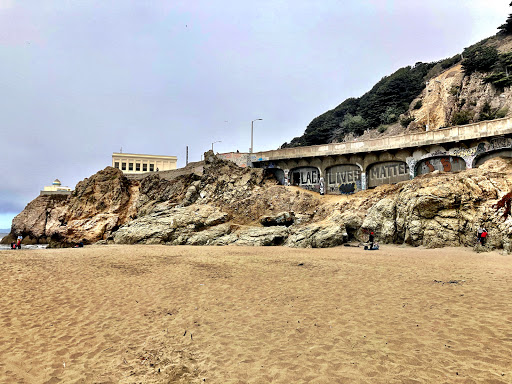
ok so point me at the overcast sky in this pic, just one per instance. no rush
(81, 78)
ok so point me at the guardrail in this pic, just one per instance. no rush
(479, 130)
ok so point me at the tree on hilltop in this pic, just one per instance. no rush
(506, 28)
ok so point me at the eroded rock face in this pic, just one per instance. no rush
(41, 213)
(228, 205)
(444, 209)
(98, 206)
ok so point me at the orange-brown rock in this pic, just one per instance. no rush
(227, 203)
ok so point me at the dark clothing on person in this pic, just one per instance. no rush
(371, 239)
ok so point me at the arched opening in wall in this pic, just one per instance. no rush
(277, 173)
(489, 155)
(388, 172)
(306, 177)
(343, 179)
(440, 163)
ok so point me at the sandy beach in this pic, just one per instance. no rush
(162, 314)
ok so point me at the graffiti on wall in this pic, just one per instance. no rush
(390, 172)
(306, 177)
(463, 152)
(443, 164)
(494, 144)
(343, 179)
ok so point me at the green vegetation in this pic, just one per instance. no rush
(462, 117)
(488, 113)
(382, 105)
(404, 122)
(506, 29)
(382, 128)
(479, 58)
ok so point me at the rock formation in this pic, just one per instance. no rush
(229, 205)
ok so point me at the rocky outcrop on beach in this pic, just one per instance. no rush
(229, 205)
(98, 205)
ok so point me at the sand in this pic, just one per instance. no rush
(161, 314)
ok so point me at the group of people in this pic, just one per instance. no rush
(481, 235)
(16, 244)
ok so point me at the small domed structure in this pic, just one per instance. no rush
(56, 189)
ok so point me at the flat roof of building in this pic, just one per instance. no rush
(143, 155)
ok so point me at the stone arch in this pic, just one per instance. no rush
(387, 172)
(307, 177)
(343, 178)
(278, 173)
(483, 157)
(443, 163)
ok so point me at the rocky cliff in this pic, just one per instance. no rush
(242, 206)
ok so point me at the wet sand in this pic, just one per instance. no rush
(160, 314)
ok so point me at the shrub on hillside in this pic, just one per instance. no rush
(462, 117)
(405, 121)
(479, 58)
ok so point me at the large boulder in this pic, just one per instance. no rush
(173, 226)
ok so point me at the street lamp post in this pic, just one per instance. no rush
(215, 142)
(252, 134)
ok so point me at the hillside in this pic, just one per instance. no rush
(472, 86)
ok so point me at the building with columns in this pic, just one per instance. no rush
(131, 163)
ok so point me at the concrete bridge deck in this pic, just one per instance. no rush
(485, 129)
(351, 166)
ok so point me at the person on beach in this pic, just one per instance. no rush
(483, 236)
(479, 235)
(18, 243)
(371, 239)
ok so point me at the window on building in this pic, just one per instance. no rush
(130, 166)
(137, 167)
(144, 167)
(123, 166)
(151, 167)
(116, 164)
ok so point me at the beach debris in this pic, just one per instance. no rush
(185, 333)
(449, 282)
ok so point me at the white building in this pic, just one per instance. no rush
(132, 163)
(56, 189)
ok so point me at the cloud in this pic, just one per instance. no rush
(6, 4)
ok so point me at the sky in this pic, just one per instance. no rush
(81, 79)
